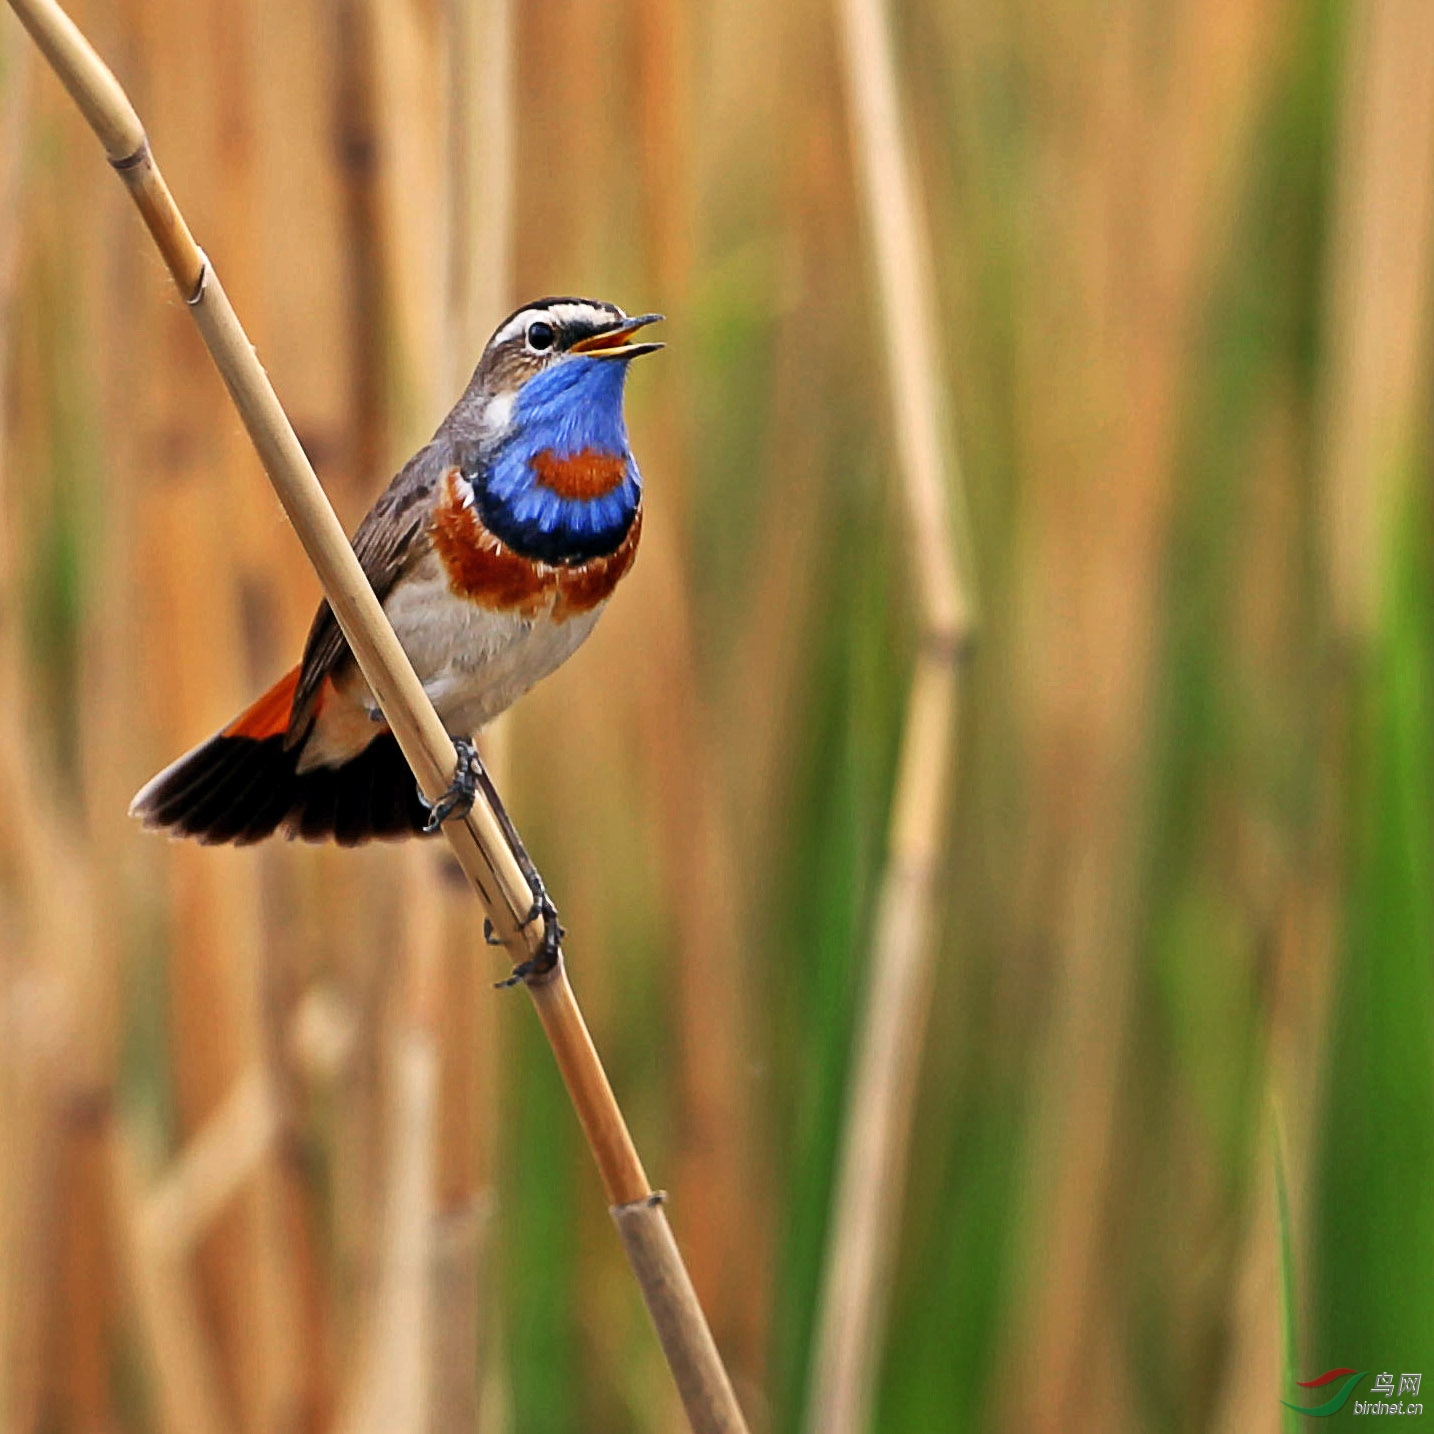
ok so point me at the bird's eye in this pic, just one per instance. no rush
(541, 336)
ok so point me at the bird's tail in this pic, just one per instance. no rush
(244, 783)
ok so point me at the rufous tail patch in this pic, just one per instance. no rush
(269, 716)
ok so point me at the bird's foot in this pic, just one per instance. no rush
(469, 777)
(457, 801)
(550, 948)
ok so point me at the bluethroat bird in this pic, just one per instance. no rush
(493, 552)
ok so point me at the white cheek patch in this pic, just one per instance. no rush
(498, 413)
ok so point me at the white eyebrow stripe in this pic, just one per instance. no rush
(562, 314)
(516, 325)
(567, 314)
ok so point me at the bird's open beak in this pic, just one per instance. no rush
(613, 342)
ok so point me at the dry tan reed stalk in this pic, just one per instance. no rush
(1140, 198)
(881, 1105)
(186, 1383)
(214, 1165)
(54, 1267)
(480, 177)
(194, 560)
(416, 1368)
(110, 635)
(23, 865)
(477, 840)
(475, 290)
(158, 1222)
(713, 1178)
(278, 100)
(1378, 303)
(443, 230)
(394, 1383)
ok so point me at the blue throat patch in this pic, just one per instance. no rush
(571, 408)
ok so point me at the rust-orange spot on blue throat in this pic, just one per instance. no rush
(586, 474)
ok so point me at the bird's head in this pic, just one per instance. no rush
(549, 337)
(557, 479)
(557, 354)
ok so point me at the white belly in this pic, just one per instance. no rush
(473, 662)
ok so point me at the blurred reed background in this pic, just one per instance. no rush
(274, 1157)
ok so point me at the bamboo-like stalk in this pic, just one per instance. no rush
(1378, 300)
(55, 960)
(480, 176)
(193, 560)
(23, 1175)
(393, 1388)
(477, 840)
(853, 1309)
(418, 1368)
(475, 289)
(286, 89)
(713, 1175)
(186, 1382)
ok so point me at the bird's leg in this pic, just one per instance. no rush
(470, 777)
(546, 956)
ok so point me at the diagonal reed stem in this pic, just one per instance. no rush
(477, 840)
(871, 1177)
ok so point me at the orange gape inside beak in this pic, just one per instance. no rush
(599, 343)
(614, 341)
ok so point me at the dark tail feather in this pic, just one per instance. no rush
(241, 789)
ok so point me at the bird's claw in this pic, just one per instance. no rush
(458, 800)
(550, 948)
